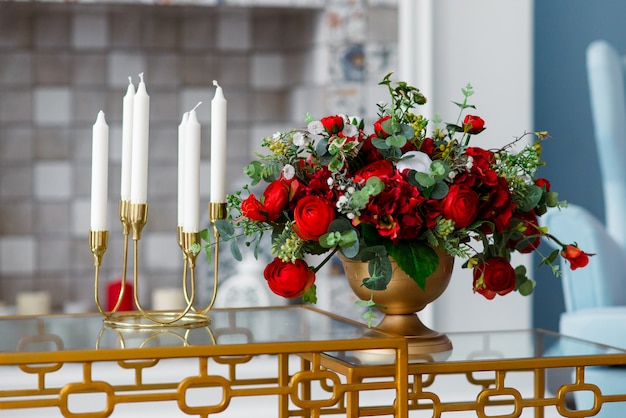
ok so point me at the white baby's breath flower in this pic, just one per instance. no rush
(452, 175)
(415, 160)
(350, 216)
(342, 200)
(470, 163)
(329, 181)
(276, 136)
(315, 127)
(351, 190)
(288, 171)
(299, 139)
(349, 130)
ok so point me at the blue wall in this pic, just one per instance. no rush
(563, 29)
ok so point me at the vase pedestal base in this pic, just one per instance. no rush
(421, 340)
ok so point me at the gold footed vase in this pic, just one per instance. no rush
(402, 299)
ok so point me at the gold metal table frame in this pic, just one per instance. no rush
(44, 349)
(492, 366)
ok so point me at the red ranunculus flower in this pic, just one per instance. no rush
(473, 124)
(494, 276)
(378, 127)
(313, 215)
(541, 182)
(251, 208)
(332, 124)
(381, 169)
(460, 205)
(289, 280)
(576, 257)
(276, 198)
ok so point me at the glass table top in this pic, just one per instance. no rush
(495, 346)
(227, 326)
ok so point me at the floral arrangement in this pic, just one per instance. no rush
(397, 192)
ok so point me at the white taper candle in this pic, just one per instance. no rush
(218, 146)
(99, 173)
(141, 123)
(191, 220)
(127, 139)
(181, 169)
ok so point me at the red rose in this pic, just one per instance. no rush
(378, 127)
(332, 124)
(473, 124)
(251, 208)
(289, 280)
(494, 276)
(541, 182)
(460, 205)
(380, 169)
(276, 198)
(576, 256)
(313, 215)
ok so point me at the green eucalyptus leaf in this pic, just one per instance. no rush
(407, 131)
(552, 199)
(350, 250)
(224, 228)
(321, 147)
(440, 190)
(234, 249)
(423, 179)
(397, 141)
(526, 287)
(375, 185)
(380, 144)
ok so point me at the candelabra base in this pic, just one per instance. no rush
(160, 319)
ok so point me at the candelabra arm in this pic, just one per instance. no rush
(217, 211)
(98, 241)
(138, 216)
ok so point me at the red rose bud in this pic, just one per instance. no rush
(378, 127)
(576, 256)
(251, 208)
(473, 124)
(312, 215)
(289, 280)
(494, 276)
(541, 182)
(276, 198)
(332, 124)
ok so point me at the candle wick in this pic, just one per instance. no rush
(215, 83)
(199, 103)
(141, 77)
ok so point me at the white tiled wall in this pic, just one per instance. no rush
(60, 63)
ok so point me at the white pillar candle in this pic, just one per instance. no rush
(99, 173)
(181, 169)
(33, 303)
(218, 146)
(127, 139)
(191, 219)
(168, 299)
(141, 122)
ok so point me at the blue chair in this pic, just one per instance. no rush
(595, 296)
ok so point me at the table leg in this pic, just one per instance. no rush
(540, 390)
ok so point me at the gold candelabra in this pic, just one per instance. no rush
(133, 217)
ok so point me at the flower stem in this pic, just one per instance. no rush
(325, 260)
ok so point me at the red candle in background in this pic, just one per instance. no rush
(113, 291)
